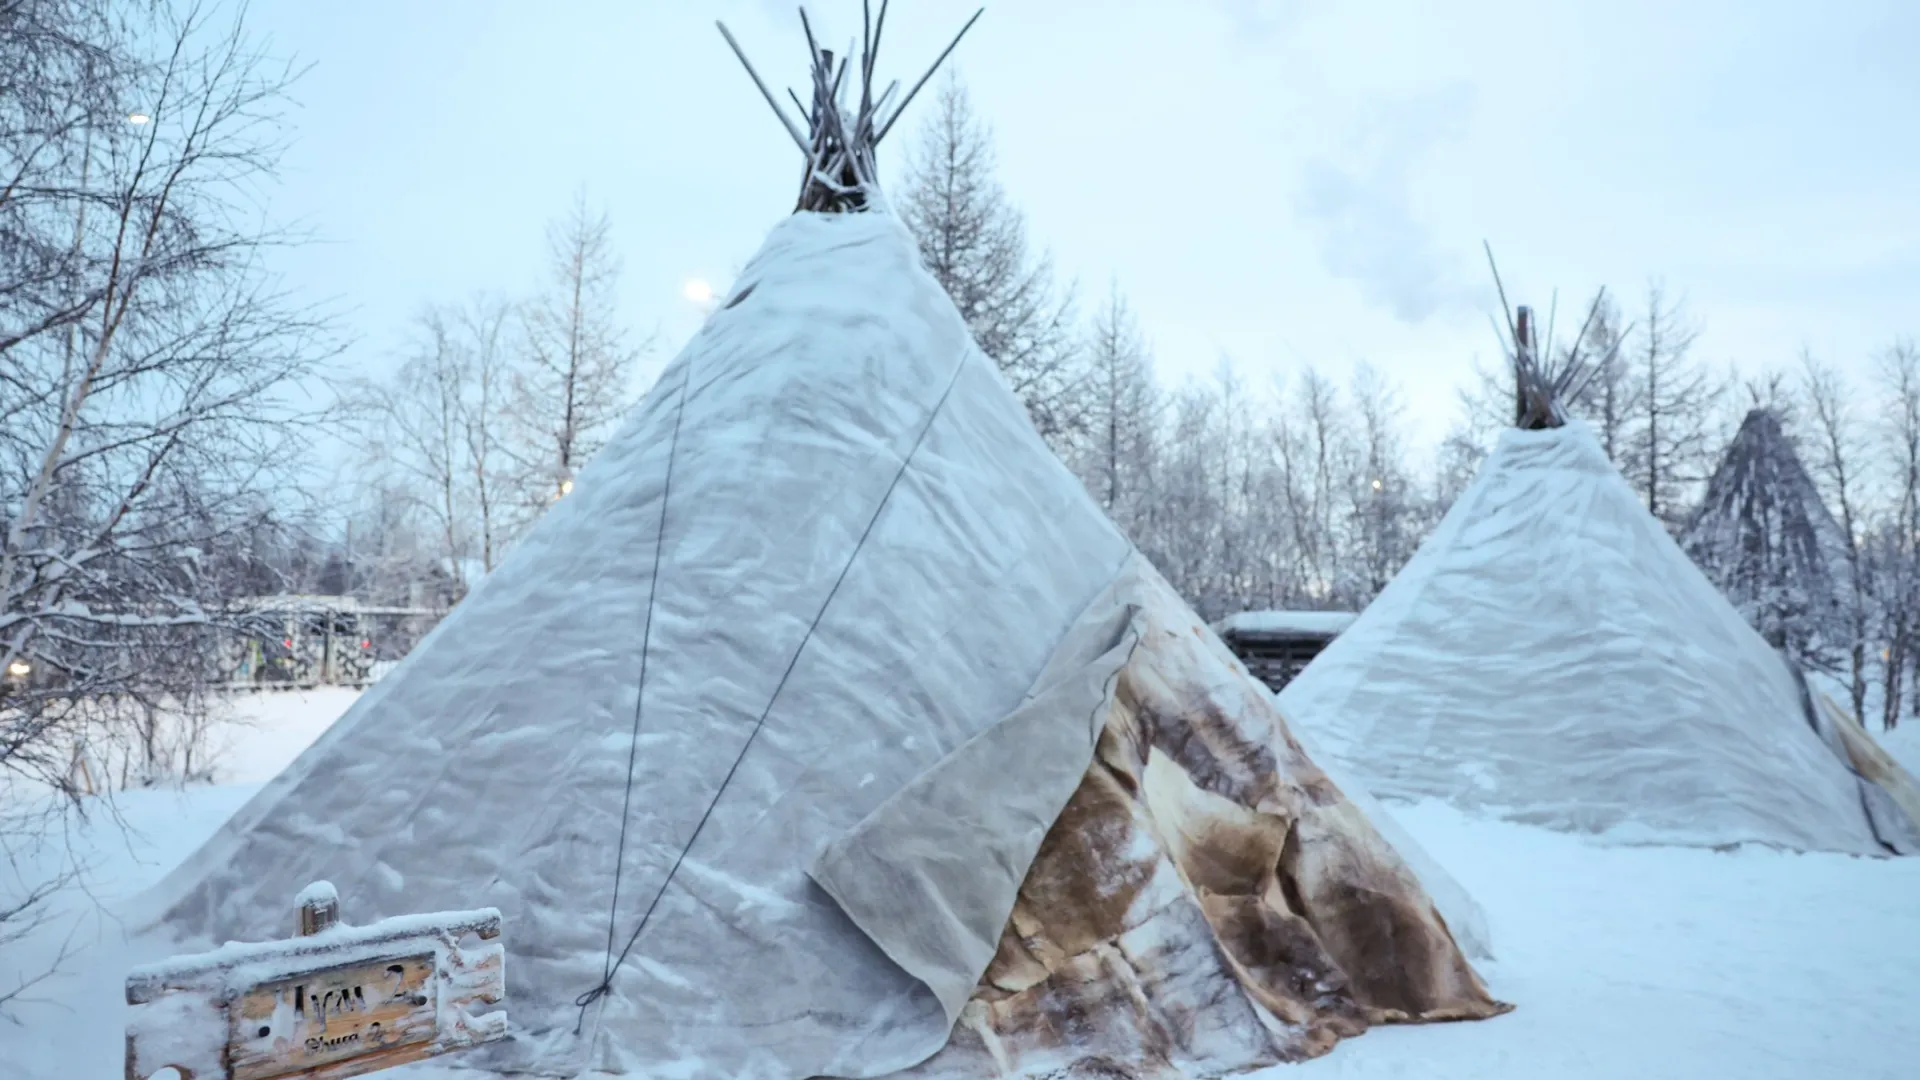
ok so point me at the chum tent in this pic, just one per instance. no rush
(828, 728)
(1764, 536)
(1551, 655)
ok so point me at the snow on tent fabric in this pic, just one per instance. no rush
(929, 770)
(1764, 536)
(1552, 655)
(977, 650)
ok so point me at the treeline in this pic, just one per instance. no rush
(1302, 492)
(155, 381)
(486, 418)
(1297, 495)
(155, 426)
(1305, 492)
(1308, 493)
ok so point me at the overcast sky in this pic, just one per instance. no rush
(1280, 181)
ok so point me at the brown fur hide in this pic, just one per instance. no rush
(1208, 902)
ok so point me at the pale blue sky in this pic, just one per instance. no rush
(1286, 181)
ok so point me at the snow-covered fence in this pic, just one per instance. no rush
(336, 1001)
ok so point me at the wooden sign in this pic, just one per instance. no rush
(330, 1016)
(335, 1002)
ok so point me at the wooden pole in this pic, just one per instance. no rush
(1523, 359)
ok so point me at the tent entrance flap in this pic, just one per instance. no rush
(931, 875)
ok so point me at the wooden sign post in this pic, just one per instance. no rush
(336, 1001)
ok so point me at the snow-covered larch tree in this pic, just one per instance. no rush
(580, 366)
(1838, 462)
(1384, 511)
(1894, 550)
(1669, 441)
(974, 242)
(1116, 457)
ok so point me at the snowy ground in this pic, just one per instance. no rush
(269, 728)
(1624, 962)
(1666, 962)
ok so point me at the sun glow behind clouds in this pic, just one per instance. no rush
(698, 291)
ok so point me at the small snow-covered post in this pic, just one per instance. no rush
(319, 907)
(333, 1002)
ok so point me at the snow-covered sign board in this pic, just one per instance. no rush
(335, 1002)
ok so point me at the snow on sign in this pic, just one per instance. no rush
(329, 1016)
(335, 1002)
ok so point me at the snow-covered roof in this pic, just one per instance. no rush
(299, 602)
(1302, 624)
(289, 603)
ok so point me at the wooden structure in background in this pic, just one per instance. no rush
(1277, 645)
(295, 641)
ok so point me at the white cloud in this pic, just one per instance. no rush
(1363, 209)
(1264, 17)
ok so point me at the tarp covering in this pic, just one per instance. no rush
(883, 640)
(1551, 655)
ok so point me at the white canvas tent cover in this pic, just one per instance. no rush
(887, 630)
(1550, 654)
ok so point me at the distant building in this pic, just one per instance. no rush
(295, 640)
(1277, 645)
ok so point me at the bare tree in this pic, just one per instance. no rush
(1484, 401)
(1123, 405)
(1186, 516)
(151, 377)
(1301, 498)
(580, 370)
(441, 427)
(1456, 463)
(395, 551)
(483, 327)
(1231, 473)
(974, 243)
(416, 424)
(1610, 398)
(1837, 453)
(1381, 491)
(148, 361)
(1896, 572)
(1312, 456)
(497, 405)
(1670, 442)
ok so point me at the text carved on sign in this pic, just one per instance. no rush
(332, 1015)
